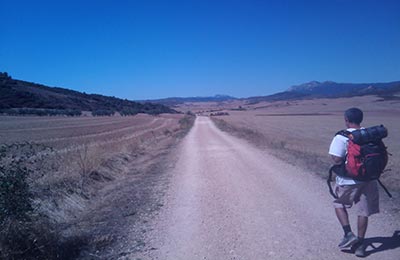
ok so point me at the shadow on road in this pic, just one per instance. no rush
(380, 244)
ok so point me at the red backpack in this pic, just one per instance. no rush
(366, 156)
(366, 161)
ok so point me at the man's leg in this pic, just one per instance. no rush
(343, 216)
(349, 238)
(362, 226)
(368, 205)
(362, 223)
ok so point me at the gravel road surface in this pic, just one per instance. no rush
(230, 200)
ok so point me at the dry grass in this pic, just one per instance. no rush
(90, 156)
(300, 132)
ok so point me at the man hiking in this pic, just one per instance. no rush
(363, 195)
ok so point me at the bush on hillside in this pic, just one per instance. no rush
(129, 111)
(102, 112)
(41, 112)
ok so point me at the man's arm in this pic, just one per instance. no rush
(337, 149)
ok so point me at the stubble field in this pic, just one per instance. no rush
(63, 132)
(91, 176)
(301, 131)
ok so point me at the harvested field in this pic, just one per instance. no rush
(67, 132)
(301, 131)
(101, 175)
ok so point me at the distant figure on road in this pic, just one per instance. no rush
(363, 194)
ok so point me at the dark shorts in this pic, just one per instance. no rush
(365, 197)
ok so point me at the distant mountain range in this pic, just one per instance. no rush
(22, 94)
(313, 89)
(330, 89)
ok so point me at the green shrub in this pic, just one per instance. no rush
(41, 112)
(15, 197)
(102, 112)
(129, 111)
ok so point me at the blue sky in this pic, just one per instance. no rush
(156, 49)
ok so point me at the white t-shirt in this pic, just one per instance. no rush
(338, 148)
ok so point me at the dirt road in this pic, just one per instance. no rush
(229, 200)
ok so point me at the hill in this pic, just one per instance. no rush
(310, 90)
(22, 94)
(330, 89)
(173, 101)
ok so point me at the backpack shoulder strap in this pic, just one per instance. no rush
(329, 180)
(344, 133)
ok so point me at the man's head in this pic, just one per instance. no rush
(353, 116)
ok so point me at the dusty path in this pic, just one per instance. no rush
(229, 200)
